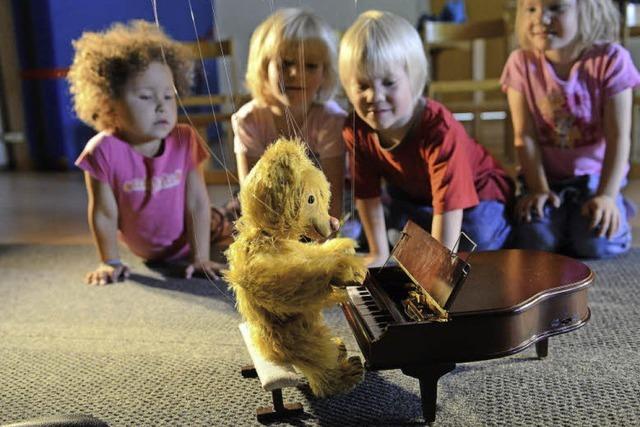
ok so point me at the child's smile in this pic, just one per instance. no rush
(379, 116)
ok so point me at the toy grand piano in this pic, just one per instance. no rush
(423, 317)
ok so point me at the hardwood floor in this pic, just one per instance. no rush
(50, 208)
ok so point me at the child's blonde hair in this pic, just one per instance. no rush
(104, 61)
(598, 22)
(378, 41)
(271, 39)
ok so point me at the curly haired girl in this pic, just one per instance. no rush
(142, 170)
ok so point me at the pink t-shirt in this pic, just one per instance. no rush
(149, 191)
(254, 129)
(568, 114)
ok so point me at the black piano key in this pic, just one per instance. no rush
(375, 317)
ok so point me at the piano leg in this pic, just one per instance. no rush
(542, 348)
(428, 375)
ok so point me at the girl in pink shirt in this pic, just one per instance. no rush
(141, 170)
(570, 93)
(291, 73)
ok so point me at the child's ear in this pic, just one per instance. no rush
(113, 115)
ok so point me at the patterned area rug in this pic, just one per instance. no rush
(161, 350)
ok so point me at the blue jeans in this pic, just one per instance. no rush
(565, 229)
(487, 224)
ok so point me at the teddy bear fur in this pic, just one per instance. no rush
(282, 284)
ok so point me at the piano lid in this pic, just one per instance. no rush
(429, 264)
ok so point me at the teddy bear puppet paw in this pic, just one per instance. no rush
(353, 370)
(352, 272)
(342, 348)
(341, 379)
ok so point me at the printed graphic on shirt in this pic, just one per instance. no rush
(155, 184)
(556, 112)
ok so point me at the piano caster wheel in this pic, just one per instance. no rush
(542, 348)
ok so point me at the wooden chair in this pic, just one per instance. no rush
(470, 37)
(204, 110)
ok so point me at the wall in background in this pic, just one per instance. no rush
(44, 31)
(238, 18)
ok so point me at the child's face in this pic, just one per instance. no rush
(550, 24)
(384, 102)
(296, 76)
(146, 110)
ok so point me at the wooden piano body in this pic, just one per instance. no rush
(511, 300)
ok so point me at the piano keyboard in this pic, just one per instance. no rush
(375, 318)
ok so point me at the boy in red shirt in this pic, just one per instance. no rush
(436, 174)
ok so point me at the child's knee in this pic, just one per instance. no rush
(589, 246)
(489, 238)
(584, 243)
(487, 226)
(534, 236)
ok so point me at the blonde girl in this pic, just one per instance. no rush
(435, 173)
(142, 170)
(291, 74)
(569, 88)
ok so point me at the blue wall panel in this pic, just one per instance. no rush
(44, 31)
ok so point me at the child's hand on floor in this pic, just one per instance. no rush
(534, 204)
(107, 273)
(208, 268)
(604, 215)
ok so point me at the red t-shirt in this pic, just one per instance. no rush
(437, 164)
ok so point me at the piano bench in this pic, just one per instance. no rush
(273, 377)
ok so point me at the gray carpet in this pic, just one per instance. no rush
(165, 351)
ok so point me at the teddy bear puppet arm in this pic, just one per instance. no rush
(291, 278)
(340, 245)
(335, 259)
(303, 274)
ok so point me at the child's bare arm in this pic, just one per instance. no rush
(446, 227)
(244, 164)
(530, 160)
(243, 136)
(198, 220)
(372, 217)
(333, 168)
(103, 221)
(602, 208)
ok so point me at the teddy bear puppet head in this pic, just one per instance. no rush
(285, 195)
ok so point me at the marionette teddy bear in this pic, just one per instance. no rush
(282, 283)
